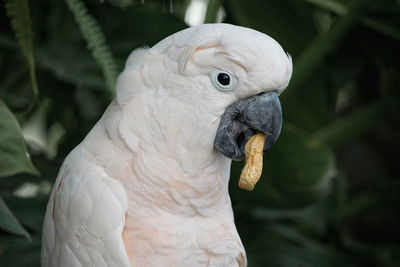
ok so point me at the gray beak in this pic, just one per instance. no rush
(246, 117)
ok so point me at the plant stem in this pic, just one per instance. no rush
(369, 22)
(313, 55)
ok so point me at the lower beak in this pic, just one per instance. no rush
(246, 117)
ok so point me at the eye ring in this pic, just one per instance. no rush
(223, 80)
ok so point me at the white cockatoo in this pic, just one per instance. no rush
(148, 186)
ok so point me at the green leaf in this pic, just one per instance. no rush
(306, 101)
(330, 5)
(373, 23)
(146, 32)
(348, 128)
(297, 171)
(96, 41)
(14, 247)
(9, 222)
(382, 27)
(13, 155)
(313, 55)
(18, 11)
(71, 65)
(30, 212)
(212, 11)
(313, 107)
(120, 3)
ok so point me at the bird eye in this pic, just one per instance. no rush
(223, 80)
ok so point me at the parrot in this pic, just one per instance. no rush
(148, 185)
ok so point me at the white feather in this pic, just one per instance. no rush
(146, 187)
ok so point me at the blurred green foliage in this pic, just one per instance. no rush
(330, 192)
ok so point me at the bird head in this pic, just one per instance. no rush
(227, 76)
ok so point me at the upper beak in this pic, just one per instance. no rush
(246, 117)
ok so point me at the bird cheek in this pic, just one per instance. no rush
(153, 71)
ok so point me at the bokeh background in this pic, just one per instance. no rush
(330, 192)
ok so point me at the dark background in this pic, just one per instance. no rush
(330, 192)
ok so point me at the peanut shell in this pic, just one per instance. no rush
(252, 169)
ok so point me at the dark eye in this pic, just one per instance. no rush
(223, 80)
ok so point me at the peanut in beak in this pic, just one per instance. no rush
(252, 169)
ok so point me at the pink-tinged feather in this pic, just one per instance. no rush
(146, 186)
